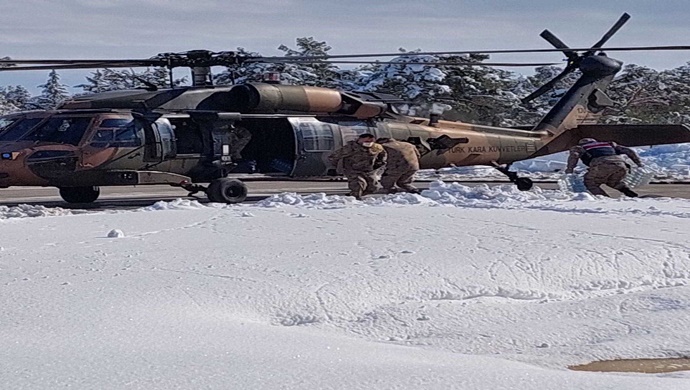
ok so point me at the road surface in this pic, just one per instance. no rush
(140, 196)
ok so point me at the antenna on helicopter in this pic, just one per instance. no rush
(271, 77)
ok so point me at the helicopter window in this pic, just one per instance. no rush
(116, 122)
(60, 130)
(6, 122)
(317, 137)
(167, 137)
(188, 136)
(116, 133)
(16, 130)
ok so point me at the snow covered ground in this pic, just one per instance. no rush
(670, 162)
(467, 288)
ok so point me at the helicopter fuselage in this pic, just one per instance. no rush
(73, 148)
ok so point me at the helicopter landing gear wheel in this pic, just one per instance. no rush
(225, 190)
(80, 194)
(523, 183)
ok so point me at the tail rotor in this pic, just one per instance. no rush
(576, 61)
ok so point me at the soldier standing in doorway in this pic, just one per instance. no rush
(239, 137)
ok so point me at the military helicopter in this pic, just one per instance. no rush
(184, 136)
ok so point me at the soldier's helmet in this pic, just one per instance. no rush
(584, 141)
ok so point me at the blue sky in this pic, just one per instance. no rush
(141, 28)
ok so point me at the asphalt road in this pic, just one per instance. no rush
(140, 196)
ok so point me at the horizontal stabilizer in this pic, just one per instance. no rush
(636, 135)
(626, 135)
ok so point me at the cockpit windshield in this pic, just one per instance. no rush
(6, 122)
(16, 127)
(63, 130)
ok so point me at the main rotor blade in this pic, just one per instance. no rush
(73, 66)
(557, 43)
(505, 64)
(94, 65)
(69, 62)
(500, 51)
(105, 63)
(621, 21)
(546, 87)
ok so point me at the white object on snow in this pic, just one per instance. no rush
(638, 177)
(116, 233)
(571, 182)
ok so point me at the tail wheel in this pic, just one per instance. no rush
(80, 194)
(523, 183)
(225, 190)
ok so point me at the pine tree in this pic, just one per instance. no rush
(6, 107)
(114, 80)
(313, 72)
(473, 93)
(245, 72)
(644, 95)
(15, 98)
(53, 92)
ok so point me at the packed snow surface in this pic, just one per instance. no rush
(466, 288)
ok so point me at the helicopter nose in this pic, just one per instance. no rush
(8, 163)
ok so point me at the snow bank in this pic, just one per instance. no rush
(489, 197)
(177, 204)
(319, 200)
(27, 211)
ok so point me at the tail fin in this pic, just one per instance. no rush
(584, 101)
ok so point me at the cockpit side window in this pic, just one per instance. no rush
(63, 130)
(116, 132)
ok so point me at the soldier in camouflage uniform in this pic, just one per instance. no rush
(403, 163)
(360, 161)
(606, 166)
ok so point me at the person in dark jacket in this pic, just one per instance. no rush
(605, 165)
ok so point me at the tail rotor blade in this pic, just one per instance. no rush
(558, 44)
(621, 21)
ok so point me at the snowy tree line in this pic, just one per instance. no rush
(472, 93)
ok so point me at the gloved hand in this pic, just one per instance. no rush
(332, 172)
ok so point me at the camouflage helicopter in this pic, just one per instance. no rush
(184, 136)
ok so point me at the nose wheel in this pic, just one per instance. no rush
(80, 194)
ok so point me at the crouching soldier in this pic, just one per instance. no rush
(606, 166)
(403, 163)
(361, 159)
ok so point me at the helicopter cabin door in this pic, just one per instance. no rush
(315, 141)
